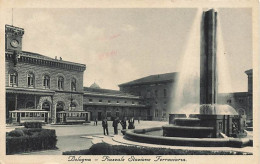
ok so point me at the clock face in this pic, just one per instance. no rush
(14, 43)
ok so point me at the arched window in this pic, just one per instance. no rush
(29, 105)
(30, 79)
(73, 84)
(13, 78)
(72, 106)
(60, 83)
(60, 106)
(46, 81)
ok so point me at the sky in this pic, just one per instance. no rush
(121, 45)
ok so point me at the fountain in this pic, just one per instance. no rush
(206, 123)
(208, 119)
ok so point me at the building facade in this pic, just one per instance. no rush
(38, 82)
(241, 101)
(156, 92)
(112, 103)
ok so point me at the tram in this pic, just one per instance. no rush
(29, 115)
(33, 115)
(69, 117)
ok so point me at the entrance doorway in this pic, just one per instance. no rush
(99, 116)
(86, 119)
(18, 117)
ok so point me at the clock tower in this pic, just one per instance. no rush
(13, 38)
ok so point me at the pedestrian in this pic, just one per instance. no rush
(123, 123)
(131, 123)
(138, 120)
(115, 125)
(105, 126)
(96, 121)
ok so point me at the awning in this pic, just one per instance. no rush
(30, 91)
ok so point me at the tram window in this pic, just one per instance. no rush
(14, 114)
(31, 114)
(42, 114)
(34, 114)
(22, 114)
(27, 114)
(77, 114)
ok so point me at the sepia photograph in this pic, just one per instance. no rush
(129, 84)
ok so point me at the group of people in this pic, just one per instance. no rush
(115, 125)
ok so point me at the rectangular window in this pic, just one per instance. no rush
(117, 113)
(117, 102)
(31, 114)
(165, 93)
(90, 100)
(108, 114)
(109, 101)
(100, 100)
(156, 93)
(133, 102)
(148, 112)
(156, 113)
(22, 114)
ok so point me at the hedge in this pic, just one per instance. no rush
(24, 140)
(33, 124)
(106, 149)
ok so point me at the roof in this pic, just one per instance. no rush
(95, 85)
(39, 56)
(107, 93)
(152, 79)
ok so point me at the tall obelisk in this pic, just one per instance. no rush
(208, 71)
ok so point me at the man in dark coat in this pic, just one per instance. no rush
(96, 120)
(105, 126)
(131, 123)
(123, 123)
(115, 125)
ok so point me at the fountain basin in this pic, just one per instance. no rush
(187, 131)
(187, 121)
(138, 135)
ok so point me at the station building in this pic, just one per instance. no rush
(39, 83)
(113, 103)
(156, 92)
(241, 101)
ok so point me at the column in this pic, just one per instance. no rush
(208, 73)
(15, 107)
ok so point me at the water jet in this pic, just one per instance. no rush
(206, 123)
